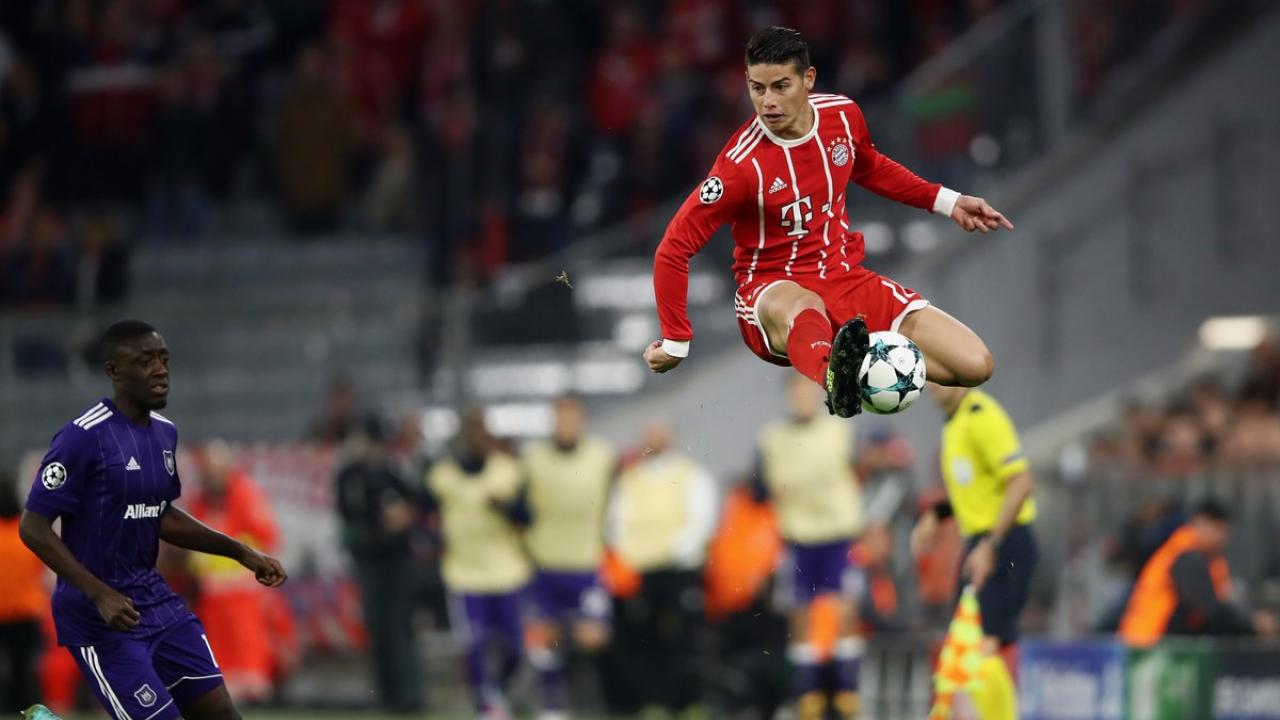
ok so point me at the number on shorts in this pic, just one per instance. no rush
(902, 294)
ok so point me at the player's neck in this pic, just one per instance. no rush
(132, 410)
(802, 125)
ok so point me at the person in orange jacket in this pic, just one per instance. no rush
(23, 602)
(232, 604)
(1185, 587)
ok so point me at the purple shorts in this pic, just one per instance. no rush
(483, 618)
(145, 679)
(567, 595)
(819, 570)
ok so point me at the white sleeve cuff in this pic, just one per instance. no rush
(945, 202)
(676, 348)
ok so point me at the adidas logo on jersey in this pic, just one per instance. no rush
(138, 511)
(777, 185)
(133, 464)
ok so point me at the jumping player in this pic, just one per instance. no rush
(110, 476)
(780, 184)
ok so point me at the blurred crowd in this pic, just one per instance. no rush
(493, 130)
(1213, 425)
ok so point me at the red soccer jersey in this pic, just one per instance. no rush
(785, 202)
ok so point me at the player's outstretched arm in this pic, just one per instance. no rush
(37, 534)
(974, 213)
(177, 527)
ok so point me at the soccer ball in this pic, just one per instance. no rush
(892, 374)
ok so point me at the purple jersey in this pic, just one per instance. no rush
(110, 480)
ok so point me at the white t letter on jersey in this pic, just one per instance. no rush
(796, 214)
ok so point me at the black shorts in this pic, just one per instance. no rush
(1004, 595)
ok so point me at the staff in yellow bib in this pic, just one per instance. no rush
(806, 472)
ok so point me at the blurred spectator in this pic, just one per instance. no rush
(375, 507)
(1185, 587)
(661, 518)
(233, 606)
(1149, 527)
(485, 567)
(23, 602)
(341, 413)
(391, 202)
(1262, 379)
(37, 260)
(1180, 448)
(1255, 434)
(623, 74)
(313, 142)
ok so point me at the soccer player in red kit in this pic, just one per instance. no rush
(803, 297)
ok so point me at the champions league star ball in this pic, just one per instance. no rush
(892, 374)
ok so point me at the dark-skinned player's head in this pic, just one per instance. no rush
(779, 78)
(137, 361)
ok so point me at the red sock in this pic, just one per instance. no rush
(809, 345)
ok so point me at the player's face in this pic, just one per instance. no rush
(780, 95)
(140, 371)
(1214, 534)
(570, 420)
(803, 398)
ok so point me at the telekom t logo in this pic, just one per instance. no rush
(796, 214)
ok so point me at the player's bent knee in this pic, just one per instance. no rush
(977, 367)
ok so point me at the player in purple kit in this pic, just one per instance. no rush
(111, 476)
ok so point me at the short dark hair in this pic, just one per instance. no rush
(121, 333)
(778, 45)
(1213, 509)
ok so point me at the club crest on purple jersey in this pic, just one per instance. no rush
(145, 696)
(168, 462)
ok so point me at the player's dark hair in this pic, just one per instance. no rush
(777, 46)
(1213, 509)
(121, 334)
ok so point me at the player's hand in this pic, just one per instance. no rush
(266, 569)
(974, 213)
(981, 562)
(117, 611)
(397, 516)
(924, 535)
(658, 359)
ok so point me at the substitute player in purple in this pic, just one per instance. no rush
(111, 476)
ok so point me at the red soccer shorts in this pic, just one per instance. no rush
(883, 302)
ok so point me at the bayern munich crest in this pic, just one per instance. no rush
(712, 189)
(840, 154)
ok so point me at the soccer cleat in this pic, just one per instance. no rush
(39, 712)
(844, 394)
